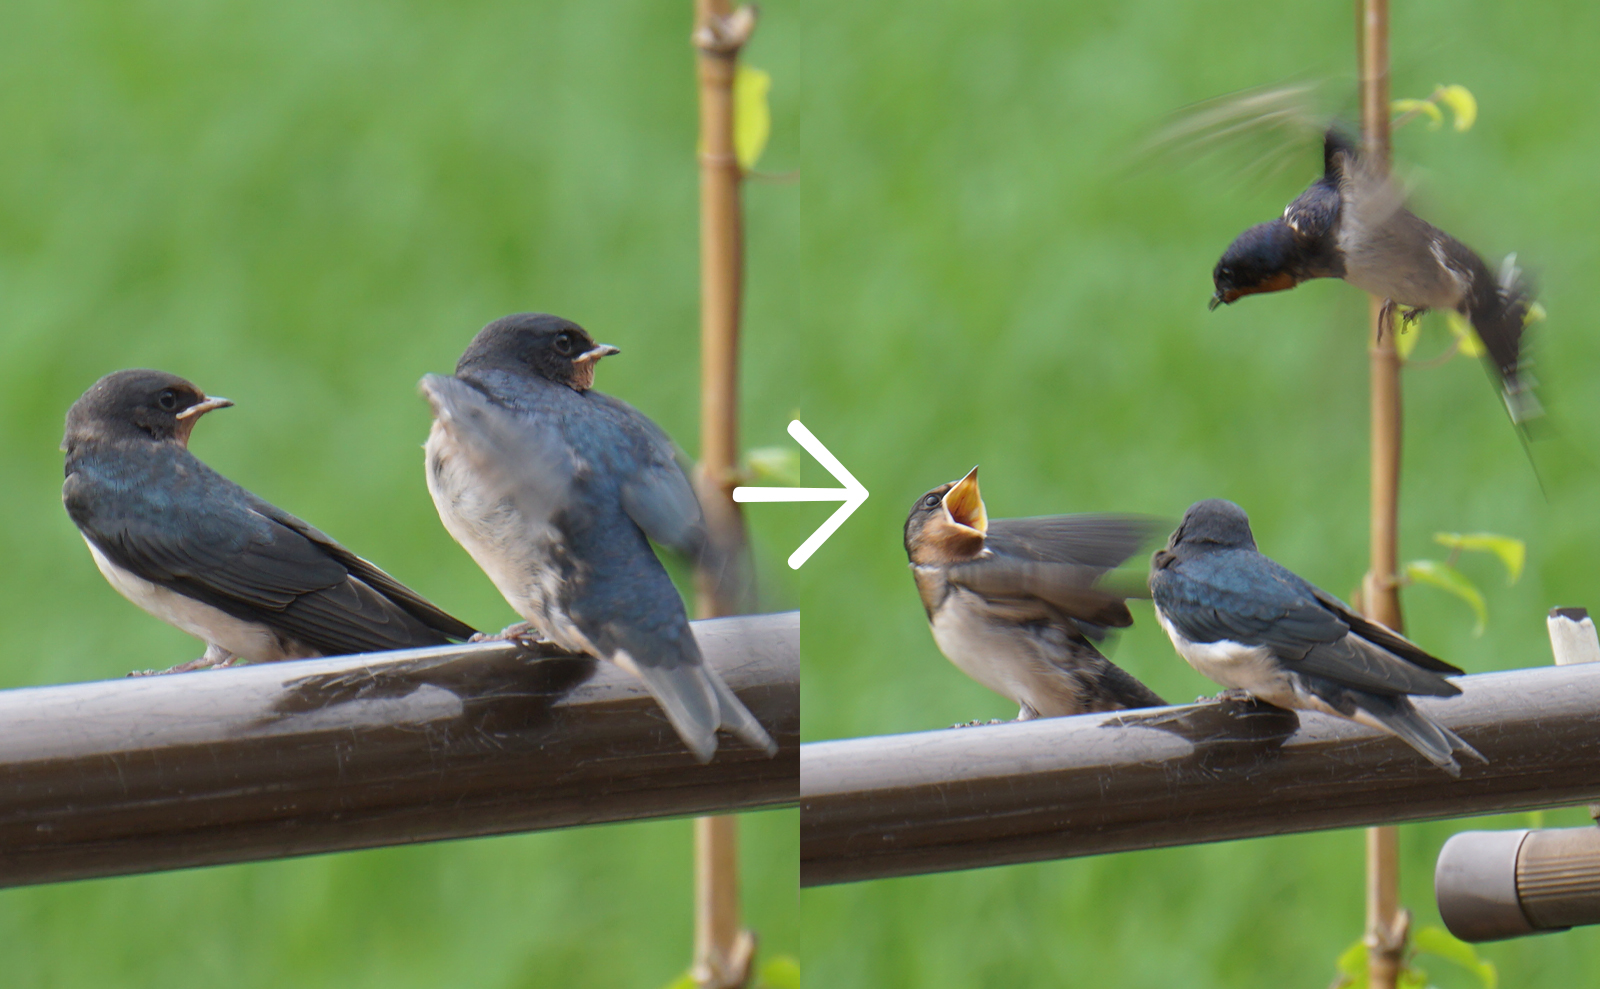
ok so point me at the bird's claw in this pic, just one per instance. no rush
(979, 723)
(1410, 316)
(1237, 695)
(209, 661)
(522, 633)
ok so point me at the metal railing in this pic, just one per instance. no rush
(1054, 788)
(151, 773)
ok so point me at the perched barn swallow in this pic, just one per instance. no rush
(1013, 603)
(556, 491)
(201, 553)
(1249, 624)
(1352, 224)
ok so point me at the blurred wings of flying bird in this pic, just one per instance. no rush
(1352, 223)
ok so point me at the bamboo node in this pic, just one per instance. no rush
(715, 160)
(732, 972)
(723, 36)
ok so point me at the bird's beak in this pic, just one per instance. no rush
(965, 505)
(1217, 300)
(600, 350)
(201, 408)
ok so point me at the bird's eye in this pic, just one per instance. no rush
(932, 501)
(564, 343)
(168, 399)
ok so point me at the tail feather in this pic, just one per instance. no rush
(737, 718)
(697, 703)
(690, 701)
(1404, 721)
(1498, 309)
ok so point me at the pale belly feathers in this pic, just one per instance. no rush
(249, 641)
(514, 551)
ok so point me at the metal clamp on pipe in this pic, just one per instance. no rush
(1493, 885)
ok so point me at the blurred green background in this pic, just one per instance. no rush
(305, 206)
(993, 279)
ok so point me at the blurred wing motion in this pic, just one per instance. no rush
(531, 468)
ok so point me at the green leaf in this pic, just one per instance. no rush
(684, 981)
(1461, 103)
(1352, 964)
(1535, 314)
(1512, 552)
(1453, 581)
(778, 464)
(1406, 337)
(1469, 344)
(1438, 941)
(782, 972)
(752, 118)
(1435, 117)
(1412, 977)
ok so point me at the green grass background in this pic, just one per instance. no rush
(305, 206)
(993, 281)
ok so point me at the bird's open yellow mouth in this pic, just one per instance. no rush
(965, 505)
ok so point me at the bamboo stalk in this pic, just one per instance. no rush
(1387, 922)
(723, 949)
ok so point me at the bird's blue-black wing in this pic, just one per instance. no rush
(1241, 596)
(201, 535)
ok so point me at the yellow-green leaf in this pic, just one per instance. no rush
(1352, 964)
(1438, 941)
(684, 981)
(782, 972)
(778, 464)
(1461, 103)
(1468, 344)
(1536, 314)
(752, 119)
(1407, 334)
(1452, 581)
(1412, 977)
(1435, 117)
(1512, 552)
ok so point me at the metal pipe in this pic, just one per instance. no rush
(297, 758)
(963, 798)
(1501, 884)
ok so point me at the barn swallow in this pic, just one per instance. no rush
(1352, 224)
(556, 491)
(1249, 624)
(1013, 603)
(201, 553)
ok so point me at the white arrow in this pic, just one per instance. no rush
(852, 494)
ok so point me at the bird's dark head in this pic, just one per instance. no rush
(948, 524)
(549, 346)
(1258, 260)
(138, 404)
(1213, 523)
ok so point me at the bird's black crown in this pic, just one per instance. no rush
(551, 347)
(1217, 522)
(132, 403)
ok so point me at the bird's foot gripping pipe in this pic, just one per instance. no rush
(522, 633)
